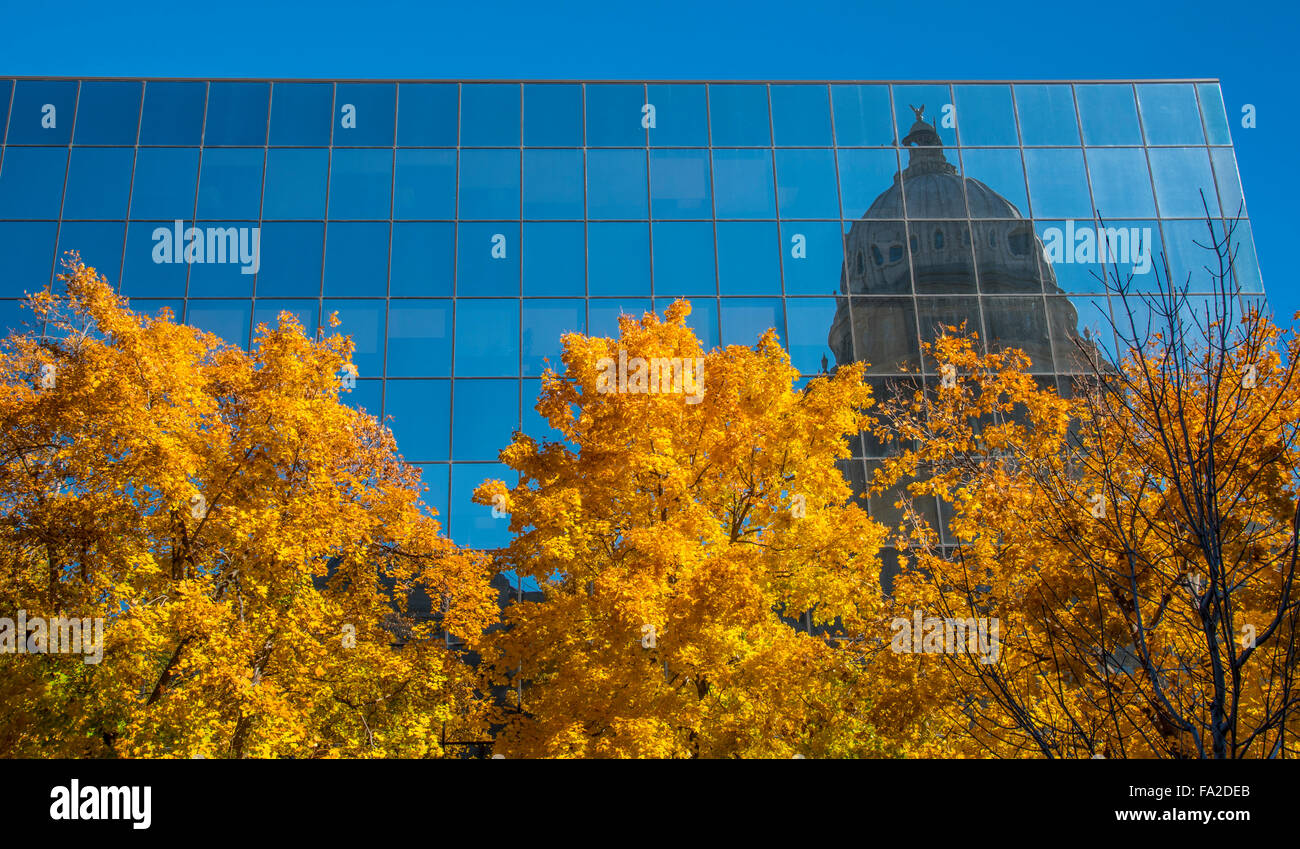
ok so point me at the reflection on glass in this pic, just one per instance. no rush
(422, 260)
(29, 251)
(295, 183)
(862, 116)
(237, 114)
(1019, 322)
(942, 259)
(425, 184)
(1216, 118)
(421, 417)
(684, 258)
(300, 114)
(545, 322)
(1058, 184)
(489, 184)
(27, 124)
(984, 115)
(487, 338)
(614, 115)
(742, 184)
(883, 334)
(616, 184)
(226, 318)
(356, 260)
(99, 182)
(947, 315)
(805, 184)
(552, 115)
(165, 182)
(801, 116)
(173, 113)
(679, 184)
(487, 259)
(807, 320)
(744, 320)
(935, 101)
(361, 183)
(1121, 187)
(230, 184)
(108, 112)
(1182, 176)
(554, 259)
(812, 255)
(426, 115)
(1108, 114)
(31, 181)
(681, 115)
(363, 114)
(419, 338)
(1046, 115)
(291, 259)
(864, 174)
(749, 261)
(364, 321)
(553, 184)
(618, 258)
(1169, 113)
(1002, 173)
(738, 115)
(489, 115)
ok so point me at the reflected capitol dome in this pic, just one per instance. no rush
(883, 253)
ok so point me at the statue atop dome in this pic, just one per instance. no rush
(918, 112)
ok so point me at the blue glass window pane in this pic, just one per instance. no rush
(743, 185)
(679, 184)
(1003, 172)
(934, 98)
(361, 183)
(142, 277)
(805, 184)
(369, 123)
(1058, 186)
(1170, 114)
(744, 320)
(1108, 114)
(552, 184)
(1121, 185)
(300, 114)
(984, 114)
(291, 260)
(616, 184)
(426, 115)
(419, 337)
(487, 338)
(489, 184)
(29, 250)
(487, 259)
(862, 116)
(1188, 260)
(738, 115)
(31, 182)
(99, 182)
(165, 181)
(748, 258)
(553, 115)
(363, 320)
(864, 176)
(420, 412)
(1246, 264)
(1181, 174)
(554, 259)
(435, 477)
(356, 260)
(801, 115)
(684, 261)
(1216, 117)
(703, 320)
(618, 259)
(1071, 257)
(237, 114)
(14, 317)
(423, 261)
(1046, 115)
(812, 254)
(1225, 173)
(603, 313)
(681, 115)
(367, 396)
(809, 320)
(425, 184)
(267, 311)
(883, 271)
(173, 113)
(924, 201)
(221, 269)
(545, 321)
(614, 116)
(42, 112)
(230, 185)
(489, 115)
(473, 525)
(227, 319)
(296, 179)
(108, 112)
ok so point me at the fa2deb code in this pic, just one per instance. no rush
(1221, 790)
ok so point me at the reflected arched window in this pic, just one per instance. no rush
(993, 238)
(861, 263)
(876, 256)
(1019, 242)
(938, 240)
(895, 253)
(916, 246)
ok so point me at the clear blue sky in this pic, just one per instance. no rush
(1251, 45)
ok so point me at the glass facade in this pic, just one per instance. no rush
(459, 228)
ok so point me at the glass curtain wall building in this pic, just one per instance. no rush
(460, 228)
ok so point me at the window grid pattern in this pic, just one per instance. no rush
(701, 180)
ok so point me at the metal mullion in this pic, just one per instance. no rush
(713, 206)
(198, 185)
(1218, 199)
(261, 203)
(844, 238)
(388, 265)
(130, 194)
(776, 207)
(63, 194)
(455, 309)
(907, 234)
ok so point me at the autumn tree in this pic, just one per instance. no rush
(250, 542)
(1136, 540)
(705, 571)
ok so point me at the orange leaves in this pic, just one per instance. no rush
(255, 546)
